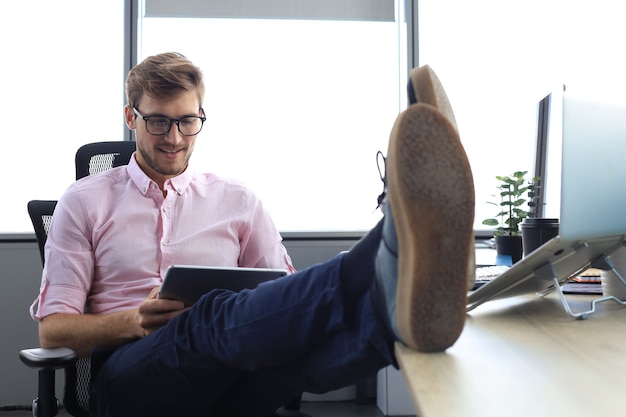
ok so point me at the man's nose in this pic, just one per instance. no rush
(174, 136)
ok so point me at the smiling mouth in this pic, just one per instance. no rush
(170, 151)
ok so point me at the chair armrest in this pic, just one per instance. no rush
(48, 358)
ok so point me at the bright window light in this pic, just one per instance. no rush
(62, 77)
(296, 109)
(497, 60)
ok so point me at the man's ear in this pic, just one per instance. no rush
(129, 117)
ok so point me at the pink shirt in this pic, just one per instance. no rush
(114, 235)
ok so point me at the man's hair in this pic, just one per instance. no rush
(163, 76)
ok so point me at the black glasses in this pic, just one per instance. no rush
(161, 125)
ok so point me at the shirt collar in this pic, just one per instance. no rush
(179, 183)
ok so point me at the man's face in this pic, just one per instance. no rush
(163, 156)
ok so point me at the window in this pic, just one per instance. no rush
(497, 60)
(298, 102)
(62, 75)
(296, 107)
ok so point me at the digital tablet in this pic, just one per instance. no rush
(189, 282)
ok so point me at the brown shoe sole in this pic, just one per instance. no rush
(428, 89)
(431, 192)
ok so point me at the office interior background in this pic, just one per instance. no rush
(300, 97)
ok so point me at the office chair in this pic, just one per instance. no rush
(90, 159)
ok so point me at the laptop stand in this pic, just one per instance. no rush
(602, 262)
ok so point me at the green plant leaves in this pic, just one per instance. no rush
(514, 192)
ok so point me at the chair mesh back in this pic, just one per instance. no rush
(47, 219)
(40, 212)
(76, 396)
(100, 163)
(96, 157)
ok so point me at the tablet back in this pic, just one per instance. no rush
(189, 282)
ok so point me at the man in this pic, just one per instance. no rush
(247, 353)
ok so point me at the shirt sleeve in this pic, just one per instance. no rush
(261, 243)
(69, 266)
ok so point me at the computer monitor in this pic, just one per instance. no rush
(548, 150)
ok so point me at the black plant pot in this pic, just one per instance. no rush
(511, 246)
(537, 231)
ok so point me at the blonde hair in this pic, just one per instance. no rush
(163, 76)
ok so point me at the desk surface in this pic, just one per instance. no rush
(524, 356)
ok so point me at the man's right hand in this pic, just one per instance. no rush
(155, 312)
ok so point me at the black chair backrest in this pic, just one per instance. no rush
(91, 158)
(101, 156)
(40, 212)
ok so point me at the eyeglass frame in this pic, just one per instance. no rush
(172, 121)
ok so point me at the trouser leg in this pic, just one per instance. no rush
(351, 355)
(204, 351)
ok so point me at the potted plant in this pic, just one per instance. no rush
(516, 200)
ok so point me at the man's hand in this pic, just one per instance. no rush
(155, 312)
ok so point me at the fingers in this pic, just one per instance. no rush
(155, 313)
(154, 293)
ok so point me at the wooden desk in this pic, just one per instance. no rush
(524, 356)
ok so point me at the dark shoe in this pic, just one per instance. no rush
(424, 256)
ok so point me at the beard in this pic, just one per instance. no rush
(150, 156)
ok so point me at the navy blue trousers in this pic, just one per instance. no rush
(247, 353)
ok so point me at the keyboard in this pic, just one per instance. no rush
(484, 274)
